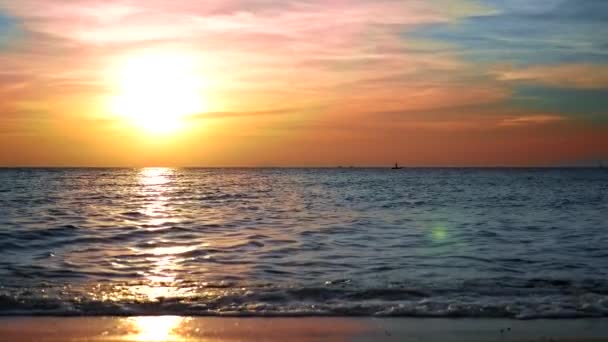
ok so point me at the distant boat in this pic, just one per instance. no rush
(397, 167)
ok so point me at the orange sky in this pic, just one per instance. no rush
(302, 83)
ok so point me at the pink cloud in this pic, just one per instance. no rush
(115, 21)
(314, 49)
(350, 56)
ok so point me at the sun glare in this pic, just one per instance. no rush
(155, 92)
(156, 328)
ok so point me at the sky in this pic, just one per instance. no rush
(303, 83)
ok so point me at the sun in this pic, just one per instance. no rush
(155, 92)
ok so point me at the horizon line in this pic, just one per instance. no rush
(598, 166)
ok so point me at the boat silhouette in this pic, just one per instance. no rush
(397, 167)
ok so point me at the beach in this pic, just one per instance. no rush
(217, 329)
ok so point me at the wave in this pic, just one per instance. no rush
(536, 298)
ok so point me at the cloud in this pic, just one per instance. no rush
(119, 21)
(328, 73)
(299, 47)
(580, 76)
(531, 32)
(255, 113)
(551, 54)
(531, 120)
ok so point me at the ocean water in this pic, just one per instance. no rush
(522, 243)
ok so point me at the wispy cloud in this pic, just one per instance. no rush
(581, 76)
(324, 72)
(94, 21)
(531, 32)
(314, 52)
(237, 114)
(531, 120)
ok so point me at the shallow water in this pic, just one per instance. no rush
(522, 243)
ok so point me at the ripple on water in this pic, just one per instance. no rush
(421, 242)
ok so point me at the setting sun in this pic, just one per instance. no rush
(156, 92)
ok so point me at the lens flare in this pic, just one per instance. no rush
(439, 233)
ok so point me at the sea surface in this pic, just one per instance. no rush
(521, 243)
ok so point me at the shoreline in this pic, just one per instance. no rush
(207, 329)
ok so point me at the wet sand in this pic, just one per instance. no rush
(210, 329)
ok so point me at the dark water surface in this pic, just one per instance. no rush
(519, 243)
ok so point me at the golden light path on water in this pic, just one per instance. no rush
(161, 275)
(155, 328)
(166, 269)
(163, 266)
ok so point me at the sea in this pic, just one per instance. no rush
(437, 242)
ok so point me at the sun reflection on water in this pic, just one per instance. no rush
(164, 261)
(152, 176)
(155, 185)
(155, 328)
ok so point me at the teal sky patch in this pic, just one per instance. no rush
(586, 104)
(529, 33)
(524, 33)
(8, 30)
